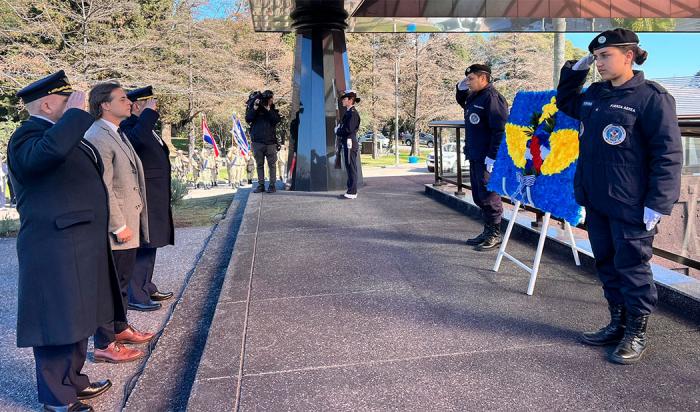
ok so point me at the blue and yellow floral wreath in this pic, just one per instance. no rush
(536, 161)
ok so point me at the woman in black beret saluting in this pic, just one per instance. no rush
(628, 176)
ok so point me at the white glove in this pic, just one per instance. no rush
(651, 218)
(349, 144)
(584, 63)
(335, 130)
(489, 164)
(462, 85)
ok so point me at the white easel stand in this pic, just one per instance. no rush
(540, 247)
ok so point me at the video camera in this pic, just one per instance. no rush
(259, 98)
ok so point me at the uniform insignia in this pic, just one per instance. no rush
(474, 118)
(602, 39)
(614, 134)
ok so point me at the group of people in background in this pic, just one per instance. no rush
(93, 195)
(627, 177)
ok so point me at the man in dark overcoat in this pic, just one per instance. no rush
(67, 281)
(154, 155)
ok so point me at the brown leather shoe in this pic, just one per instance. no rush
(117, 353)
(131, 335)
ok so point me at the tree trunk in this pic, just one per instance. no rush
(375, 153)
(166, 134)
(416, 137)
(559, 49)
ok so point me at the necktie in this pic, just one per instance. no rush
(121, 134)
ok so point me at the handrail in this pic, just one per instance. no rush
(690, 126)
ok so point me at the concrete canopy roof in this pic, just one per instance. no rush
(491, 15)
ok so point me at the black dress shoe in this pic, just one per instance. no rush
(94, 390)
(259, 189)
(160, 296)
(73, 407)
(271, 189)
(145, 307)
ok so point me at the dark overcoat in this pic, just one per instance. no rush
(154, 155)
(67, 281)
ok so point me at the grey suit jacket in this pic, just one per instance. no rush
(124, 179)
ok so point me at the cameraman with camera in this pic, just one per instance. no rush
(262, 117)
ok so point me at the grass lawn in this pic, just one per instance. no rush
(9, 227)
(390, 159)
(203, 211)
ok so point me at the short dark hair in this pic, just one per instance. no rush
(101, 93)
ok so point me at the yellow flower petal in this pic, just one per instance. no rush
(564, 151)
(516, 139)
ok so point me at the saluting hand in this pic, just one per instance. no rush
(75, 101)
(125, 235)
(151, 104)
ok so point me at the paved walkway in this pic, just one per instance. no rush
(17, 378)
(376, 304)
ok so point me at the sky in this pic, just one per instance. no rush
(670, 54)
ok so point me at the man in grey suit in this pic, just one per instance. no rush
(128, 217)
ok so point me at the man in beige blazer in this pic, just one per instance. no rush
(128, 217)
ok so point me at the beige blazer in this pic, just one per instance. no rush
(126, 186)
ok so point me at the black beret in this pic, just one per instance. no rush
(616, 37)
(475, 68)
(350, 94)
(143, 93)
(56, 83)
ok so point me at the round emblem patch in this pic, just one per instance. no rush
(474, 118)
(614, 134)
(602, 39)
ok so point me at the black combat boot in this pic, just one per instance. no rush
(610, 334)
(259, 189)
(492, 239)
(271, 188)
(479, 238)
(634, 343)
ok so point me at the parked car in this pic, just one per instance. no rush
(449, 159)
(423, 138)
(367, 137)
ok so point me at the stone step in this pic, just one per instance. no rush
(216, 383)
(167, 377)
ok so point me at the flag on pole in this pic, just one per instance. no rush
(239, 136)
(207, 137)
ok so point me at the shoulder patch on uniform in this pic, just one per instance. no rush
(657, 87)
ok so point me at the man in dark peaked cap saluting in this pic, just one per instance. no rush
(154, 155)
(67, 282)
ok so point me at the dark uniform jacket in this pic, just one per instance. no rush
(630, 145)
(67, 282)
(485, 116)
(348, 128)
(156, 169)
(262, 124)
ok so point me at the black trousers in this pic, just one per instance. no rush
(58, 372)
(489, 202)
(124, 260)
(141, 285)
(351, 168)
(622, 252)
(262, 152)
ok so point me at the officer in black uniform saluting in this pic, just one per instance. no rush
(485, 116)
(67, 281)
(628, 176)
(154, 155)
(347, 133)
